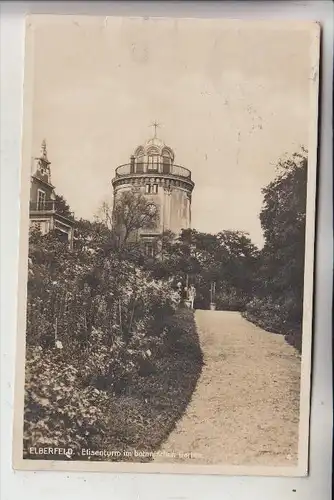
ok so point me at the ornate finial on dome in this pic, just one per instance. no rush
(156, 125)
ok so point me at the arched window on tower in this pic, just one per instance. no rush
(139, 160)
(140, 165)
(166, 160)
(153, 159)
(166, 164)
(153, 163)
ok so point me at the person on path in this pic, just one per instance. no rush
(192, 295)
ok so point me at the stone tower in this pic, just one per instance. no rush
(153, 172)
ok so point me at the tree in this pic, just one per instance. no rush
(226, 258)
(279, 278)
(132, 212)
(63, 207)
(283, 222)
(91, 237)
(105, 216)
(237, 244)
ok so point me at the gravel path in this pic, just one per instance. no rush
(245, 408)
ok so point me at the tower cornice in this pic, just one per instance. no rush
(167, 180)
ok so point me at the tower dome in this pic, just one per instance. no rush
(155, 141)
(154, 147)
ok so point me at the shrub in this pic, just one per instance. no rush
(94, 324)
(277, 315)
(59, 410)
(64, 408)
(106, 294)
(231, 300)
(156, 402)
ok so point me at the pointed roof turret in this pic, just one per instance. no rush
(44, 153)
(43, 170)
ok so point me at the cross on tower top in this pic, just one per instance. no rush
(156, 125)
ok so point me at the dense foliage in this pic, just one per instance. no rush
(278, 281)
(227, 258)
(63, 207)
(63, 409)
(95, 323)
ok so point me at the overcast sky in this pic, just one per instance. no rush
(231, 99)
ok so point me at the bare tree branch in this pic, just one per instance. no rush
(132, 212)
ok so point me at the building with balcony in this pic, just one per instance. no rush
(152, 171)
(45, 213)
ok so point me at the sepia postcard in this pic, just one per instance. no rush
(167, 232)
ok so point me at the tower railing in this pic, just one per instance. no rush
(156, 169)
